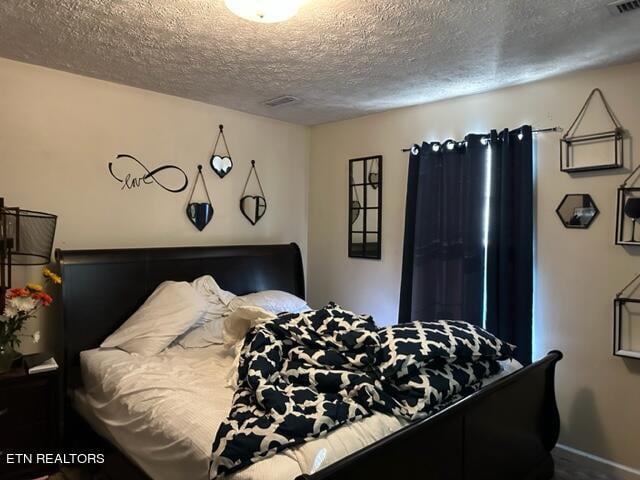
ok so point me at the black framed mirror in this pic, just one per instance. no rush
(577, 210)
(365, 207)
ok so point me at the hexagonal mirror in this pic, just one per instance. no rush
(577, 210)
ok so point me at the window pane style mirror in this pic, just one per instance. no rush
(365, 207)
(577, 210)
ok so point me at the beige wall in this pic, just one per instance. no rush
(577, 272)
(59, 131)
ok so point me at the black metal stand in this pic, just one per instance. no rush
(26, 238)
(620, 304)
(6, 245)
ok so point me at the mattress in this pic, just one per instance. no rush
(163, 413)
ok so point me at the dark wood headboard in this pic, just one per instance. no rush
(102, 288)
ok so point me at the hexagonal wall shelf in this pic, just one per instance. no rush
(577, 210)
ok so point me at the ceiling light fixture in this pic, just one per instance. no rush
(264, 11)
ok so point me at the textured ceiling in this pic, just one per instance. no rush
(343, 58)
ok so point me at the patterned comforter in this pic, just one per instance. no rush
(303, 375)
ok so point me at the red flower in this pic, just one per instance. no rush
(18, 292)
(42, 297)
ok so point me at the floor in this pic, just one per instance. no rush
(566, 470)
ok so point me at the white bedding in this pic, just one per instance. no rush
(163, 412)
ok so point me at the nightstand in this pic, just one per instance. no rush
(29, 420)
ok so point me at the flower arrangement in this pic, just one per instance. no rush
(21, 305)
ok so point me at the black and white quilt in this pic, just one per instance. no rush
(303, 375)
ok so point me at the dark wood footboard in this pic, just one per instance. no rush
(503, 432)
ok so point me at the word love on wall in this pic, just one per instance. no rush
(133, 174)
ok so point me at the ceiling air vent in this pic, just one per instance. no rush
(283, 100)
(623, 6)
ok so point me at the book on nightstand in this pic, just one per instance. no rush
(40, 362)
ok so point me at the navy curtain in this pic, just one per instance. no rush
(468, 246)
(443, 267)
(510, 247)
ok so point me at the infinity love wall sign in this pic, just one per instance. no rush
(132, 174)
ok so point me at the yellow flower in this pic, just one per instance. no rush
(52, 277)
(34, 287)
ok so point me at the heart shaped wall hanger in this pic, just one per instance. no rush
(199, 213)
(253, 207)
(221, 164)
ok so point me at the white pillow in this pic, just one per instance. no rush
(170, 310)
(208, 329)
(274, 301)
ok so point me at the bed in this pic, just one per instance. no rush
(505, 430)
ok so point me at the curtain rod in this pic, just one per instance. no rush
(539, 130)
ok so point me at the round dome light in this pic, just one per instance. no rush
(264, 11)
